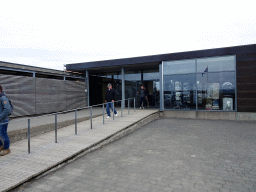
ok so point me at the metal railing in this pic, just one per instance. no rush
(75, 110)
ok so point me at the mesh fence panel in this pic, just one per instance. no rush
(32, 96)
(21, 91)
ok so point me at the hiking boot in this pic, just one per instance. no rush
(5, 152)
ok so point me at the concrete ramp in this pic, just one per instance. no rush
(19, 166)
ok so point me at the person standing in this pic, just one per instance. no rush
(143, 96)
(5, 109)
(109, 100)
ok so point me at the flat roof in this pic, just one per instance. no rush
(32, 69)
(243, 52)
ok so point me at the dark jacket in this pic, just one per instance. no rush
(5, 107)
(143, 93)
(110, 95)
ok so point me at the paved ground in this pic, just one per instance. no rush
(165, 155)
(19, 166)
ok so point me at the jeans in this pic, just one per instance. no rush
(110, 105)
(143, 100)
(3, 134)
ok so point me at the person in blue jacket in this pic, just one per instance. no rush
(5, 109)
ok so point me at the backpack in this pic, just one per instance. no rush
(11, 111)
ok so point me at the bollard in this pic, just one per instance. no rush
(134, 103)
(56, 128)
(113, 110)
(76, 122)
(103, 112)
(91, 117)
(128, 106)
(28, 135)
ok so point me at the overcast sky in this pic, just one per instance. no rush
(51, 33)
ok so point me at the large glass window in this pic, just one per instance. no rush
(179, 84)
(203, 84)
(216, 82)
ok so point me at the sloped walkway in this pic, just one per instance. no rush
(19, 166)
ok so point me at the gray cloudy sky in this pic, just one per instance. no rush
(52, 33)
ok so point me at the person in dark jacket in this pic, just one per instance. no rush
(110, 98)
(5, 108)
(143, 96)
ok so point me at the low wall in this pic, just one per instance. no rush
(213, 115)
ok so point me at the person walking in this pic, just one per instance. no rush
(5, 109)
(109, 100)
(143, 96)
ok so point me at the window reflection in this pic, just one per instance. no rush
(216, 83)
(179, 91)
(212, 87)
(179, 67)
(216, 64)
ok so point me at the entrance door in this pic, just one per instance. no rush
(153, 90)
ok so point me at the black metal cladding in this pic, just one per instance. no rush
(246, 83)
(238, 50)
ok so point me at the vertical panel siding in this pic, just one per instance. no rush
(34, 96)
(75, 93)
(21, 91)
(246, 84)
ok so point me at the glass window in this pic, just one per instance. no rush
(216, 83)
(203, 84)
(150, 76)
(179, 67)
(179, 85)
(216, 64)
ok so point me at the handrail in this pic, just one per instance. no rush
(61, 112)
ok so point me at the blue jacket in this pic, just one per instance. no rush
(4, 107)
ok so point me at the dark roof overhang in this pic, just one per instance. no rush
(152, 61)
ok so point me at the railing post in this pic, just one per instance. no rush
(103, 112)
(128, 106)
(122, 107)
(76, 121)
(134, 103)
(56, 128)
(113, 110)
(28, 135)
(91, 117)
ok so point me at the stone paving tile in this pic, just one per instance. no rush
(19, 166)
(166, 155)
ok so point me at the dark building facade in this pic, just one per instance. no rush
(222, 79)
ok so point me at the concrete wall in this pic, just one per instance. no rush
(214, 115)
